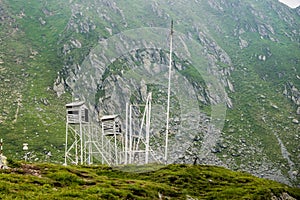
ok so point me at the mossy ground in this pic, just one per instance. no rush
(48, 181)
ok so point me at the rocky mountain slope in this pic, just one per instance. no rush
(236, 81)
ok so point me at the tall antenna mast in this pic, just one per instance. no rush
(169, 93)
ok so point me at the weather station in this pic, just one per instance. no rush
(107, 141)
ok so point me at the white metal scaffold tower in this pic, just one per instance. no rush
(112, 140)
(77, 127)
(86, 142)
(107, 143)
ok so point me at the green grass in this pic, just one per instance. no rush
(40, 181)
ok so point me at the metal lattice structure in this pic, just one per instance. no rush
(112, 141)
(137, 143)
(107, 143)
(77, 127)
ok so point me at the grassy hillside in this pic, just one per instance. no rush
(260, 38)
(46, 181)
(30, 109)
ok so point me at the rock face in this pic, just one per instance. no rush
(293, 93)
(59, 87)
(283, 196)
(135, 75)
(243, 43)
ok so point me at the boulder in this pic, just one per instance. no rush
(58, 86)
(298, 111)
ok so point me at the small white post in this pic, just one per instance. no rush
(25, 148)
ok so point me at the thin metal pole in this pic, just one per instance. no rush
(116, 148)
(89, 144)
(126, 134)
(76, 146)
(110, 151)
(169, 93)
(148, 117)
(130, 134)
(66, 144)
(102, 142)
(84, 147)
(81, 142)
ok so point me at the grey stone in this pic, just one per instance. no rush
(298, 111)
(59, 87)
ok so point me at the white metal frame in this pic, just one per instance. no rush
(77, 128)
(85, 141)
(112, 140)
(137, 146)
